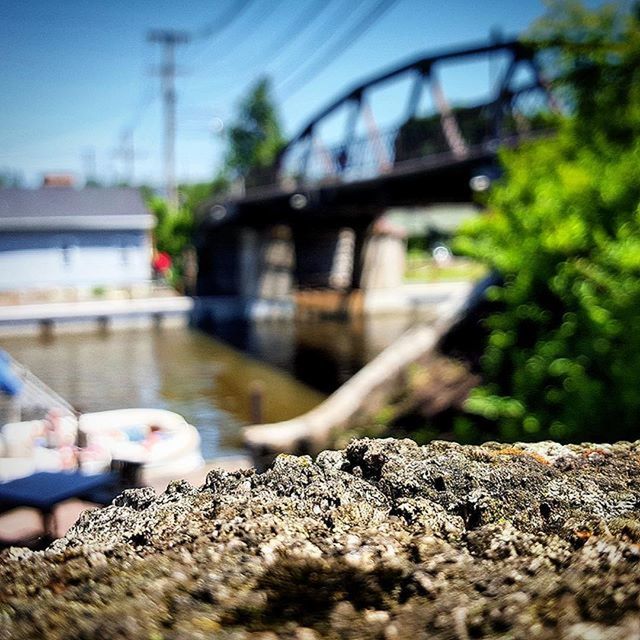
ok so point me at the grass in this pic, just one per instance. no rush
(422, 268)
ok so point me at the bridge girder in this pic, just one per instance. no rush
(432, 160)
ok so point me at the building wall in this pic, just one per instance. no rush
(39, 259)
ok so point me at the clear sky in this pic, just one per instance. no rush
(76, 73)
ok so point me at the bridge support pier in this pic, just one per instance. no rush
(250, 272)
(244, 272)
(247, 263)
(384, 257)
(327, 270)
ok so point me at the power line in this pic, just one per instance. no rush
(319, 36)
(125, 135)
(308, 17)
(270, 9)
(305, 19)
(127, 153)
(245, 4)
(204, 33)
(226, 19)
(269, 54)
(147, 98)
(211, 29)
(347, 40)
(326, 31)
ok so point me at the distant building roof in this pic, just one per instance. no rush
(54, 208)
(58, 180)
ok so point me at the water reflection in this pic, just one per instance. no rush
(203, 379)
(172, 368)
(321, 353)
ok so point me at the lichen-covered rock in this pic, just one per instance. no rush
(383, 540)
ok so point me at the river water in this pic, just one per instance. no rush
(202, 378)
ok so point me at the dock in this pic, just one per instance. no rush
(49, 316)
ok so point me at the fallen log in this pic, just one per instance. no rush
(359, 398)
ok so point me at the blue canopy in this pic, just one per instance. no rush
(10, 383)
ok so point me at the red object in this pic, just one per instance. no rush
(162, 262)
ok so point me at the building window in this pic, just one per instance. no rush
(66, 255)
(68, 247)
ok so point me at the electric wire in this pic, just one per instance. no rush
(147, 98)
(280, 44)
(305, 19)
(266, 11)
(347, 40)
(270, 10)
(149, 94)
(225, 20)
(317, 37)
(317, 42)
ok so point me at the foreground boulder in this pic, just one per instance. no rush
(385, 539)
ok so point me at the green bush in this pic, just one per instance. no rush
(563, 228)
(174, 229)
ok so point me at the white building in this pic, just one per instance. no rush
(66, 237)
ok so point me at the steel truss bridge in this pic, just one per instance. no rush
(439, 154)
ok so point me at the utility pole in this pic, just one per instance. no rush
(127, 153)
(169, 39)
(89, 165)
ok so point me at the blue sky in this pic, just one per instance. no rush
(76, 73)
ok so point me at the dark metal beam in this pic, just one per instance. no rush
(424, 63)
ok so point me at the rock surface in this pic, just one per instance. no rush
(382, 540)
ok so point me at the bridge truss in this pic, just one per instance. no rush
(427, 155)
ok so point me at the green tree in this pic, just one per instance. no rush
(193, 195)
(10, 178)
(255, 139)
(174, 230)
(563, 228)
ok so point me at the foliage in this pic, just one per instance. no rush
(563, 228)
(423, 268)
(256, 138)
(193, 195)
(10, 178)
(174, 229)
(254, 142)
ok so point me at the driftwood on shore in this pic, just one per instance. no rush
(365, 394)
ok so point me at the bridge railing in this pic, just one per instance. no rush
(433, 137)
(518, 102)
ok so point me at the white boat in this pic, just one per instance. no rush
(24, 448)
(165, 444)
(162, 441)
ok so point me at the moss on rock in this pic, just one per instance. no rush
(384, 539)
